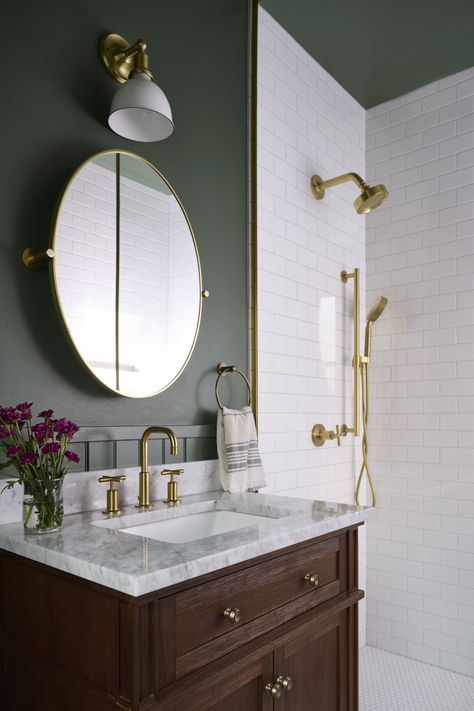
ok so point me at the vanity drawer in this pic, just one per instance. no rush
(267, 594)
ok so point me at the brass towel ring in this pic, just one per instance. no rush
(223, 369)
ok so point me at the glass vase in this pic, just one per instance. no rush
(43, 509)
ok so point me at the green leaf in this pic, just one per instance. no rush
(10, 484)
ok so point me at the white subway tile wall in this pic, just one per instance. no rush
(307, 124)
(420, 254)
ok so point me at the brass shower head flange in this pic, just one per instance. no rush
(318, 191)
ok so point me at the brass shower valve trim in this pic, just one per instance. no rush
(320, 435)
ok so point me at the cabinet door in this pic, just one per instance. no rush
(239, 687)
(320, 660)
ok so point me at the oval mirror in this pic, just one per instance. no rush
(126, 274)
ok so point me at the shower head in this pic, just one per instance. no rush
(372, 316)
(377, 309)
(369, 198)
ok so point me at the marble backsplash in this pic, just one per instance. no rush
(82, 491)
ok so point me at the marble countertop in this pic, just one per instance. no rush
(136, 565)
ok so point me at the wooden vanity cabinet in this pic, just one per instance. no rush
(70, 645)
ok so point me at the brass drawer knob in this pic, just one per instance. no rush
(232, 615)
(274, 690)
(286, 682)
(312, 579)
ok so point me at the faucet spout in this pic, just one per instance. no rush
(144, 476)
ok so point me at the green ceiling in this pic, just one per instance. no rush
(381, 49)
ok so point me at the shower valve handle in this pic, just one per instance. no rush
(321, 435)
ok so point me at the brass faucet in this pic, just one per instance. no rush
(144, 476)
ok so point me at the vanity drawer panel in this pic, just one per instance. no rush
(257, 591)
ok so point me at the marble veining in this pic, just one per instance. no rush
(135, 565)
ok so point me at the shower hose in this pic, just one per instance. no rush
(364, 377)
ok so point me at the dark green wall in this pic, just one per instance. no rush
(384, 49)
(55, 117)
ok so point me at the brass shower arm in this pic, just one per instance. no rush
(319, 186)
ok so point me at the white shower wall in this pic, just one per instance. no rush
(307, 123)
(420, 254)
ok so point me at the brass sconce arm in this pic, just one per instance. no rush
(122, 59)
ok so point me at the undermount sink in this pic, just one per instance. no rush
(193, 527)
(184, 527)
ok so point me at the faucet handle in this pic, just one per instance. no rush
(112, 493)
(173, 498)
(111, 479)
(172, 473)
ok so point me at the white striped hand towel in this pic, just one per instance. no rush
(240, 466)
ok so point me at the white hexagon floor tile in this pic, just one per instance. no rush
(389, 682)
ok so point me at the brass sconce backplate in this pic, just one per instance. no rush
(112, 49)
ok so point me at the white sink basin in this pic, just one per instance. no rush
(193, 527)
(194, 521)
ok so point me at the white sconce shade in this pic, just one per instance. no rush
(140, 111)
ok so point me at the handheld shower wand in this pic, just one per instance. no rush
(372, 316)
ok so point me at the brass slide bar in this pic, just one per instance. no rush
(345, 276)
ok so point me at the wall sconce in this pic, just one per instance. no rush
(140, 110)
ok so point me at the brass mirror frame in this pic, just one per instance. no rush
(54, 282)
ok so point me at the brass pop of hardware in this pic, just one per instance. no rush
(112, 493)
(369, 198)
(205, 294)
(121, 58)
(223, 369)
(372, 317)
(34, 260)
(286, 682)
(144, 476)
(345, 276)
(173, 499)
(312, 579)
(232, 614)
(320, 435)
(274, 689)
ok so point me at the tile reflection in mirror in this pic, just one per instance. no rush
(126, 274)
